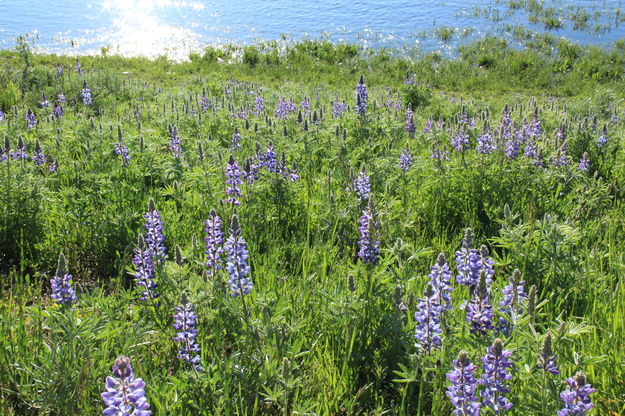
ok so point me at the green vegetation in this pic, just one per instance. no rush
(321, 332)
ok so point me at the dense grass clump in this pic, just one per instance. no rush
(257, 231)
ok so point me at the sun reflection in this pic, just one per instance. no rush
(140, 27)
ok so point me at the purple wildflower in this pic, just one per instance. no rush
(53, 166)
(576, 397)
(39, 158)
(485, 144)
(512, 147)
(535, 127)
(560, 159)
(547, 360)
(44, 101)
(460, 141)
(510, 305)
(461, 392)
(428, 125)
(409, 122)
(584, 163)
(2, 117)
(480, 312)
(20, 152)
(204, 101)
(362, 185)
(496, 365)
(428, 327)
(440, 279)
(78, 67)
(284, 108)
(62, 290)
(468, 262)
(237, 267)
(338, 108)
(57, 110)
(233, 179)
(259, 104)
(175, 141)
(184, 323)
(305, 105)
(31, 119)
(369, 245)
(405, 160)
(214, 242)
(361, 96)
(61, 98)
(235, 141)
(270, 158)
(603, 137)
(154, 233)
(86, 94)
(59, 70)
(486, 264)
(144, 271)
(125, 394)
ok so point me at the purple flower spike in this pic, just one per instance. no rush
(125, 394)
(62, 291)
(584, 163)
(235, 141)
(468, 261)
(214, 242)
(428, 328)
(233, 180)
(338, 108)
(237, 267)
(440, 279)
(154, 233)
(496, 365)
(513, 294)
(184, 323)
(86, 94)
(362, 185)
(461, 392)
(31, 119)
(409, 127)
(547, 359)
(175, 141)
(369, 245)
(480, 312)
(361, 96)
(576, 397)
(144, 272)
(405, 160)
(39, 158)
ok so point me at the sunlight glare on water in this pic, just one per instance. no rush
(177, 27)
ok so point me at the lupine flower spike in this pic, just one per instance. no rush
(496, 365)
(480, 313)
(233, 180)
(369, 245)
(125, 394)
(467, 259)
(361, 96)
(576, 397)
(511, 306)
(463, 386)
(547, 360)
(237, 267)
(214, 242)
(427, 316)
(62, 291)
(440, 278)
(184, 323)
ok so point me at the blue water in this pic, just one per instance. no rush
(177, 27)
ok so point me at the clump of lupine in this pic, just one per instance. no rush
(362, 185)
(405, 160)
(184, 323)
(125, 394)
(236, 265)
(440, 279)
(468, 262)
(61, 284)
(86, 94)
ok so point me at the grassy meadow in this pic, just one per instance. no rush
(321, 332)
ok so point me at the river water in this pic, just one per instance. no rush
(177, 27)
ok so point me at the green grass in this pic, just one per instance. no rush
(310, 345)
